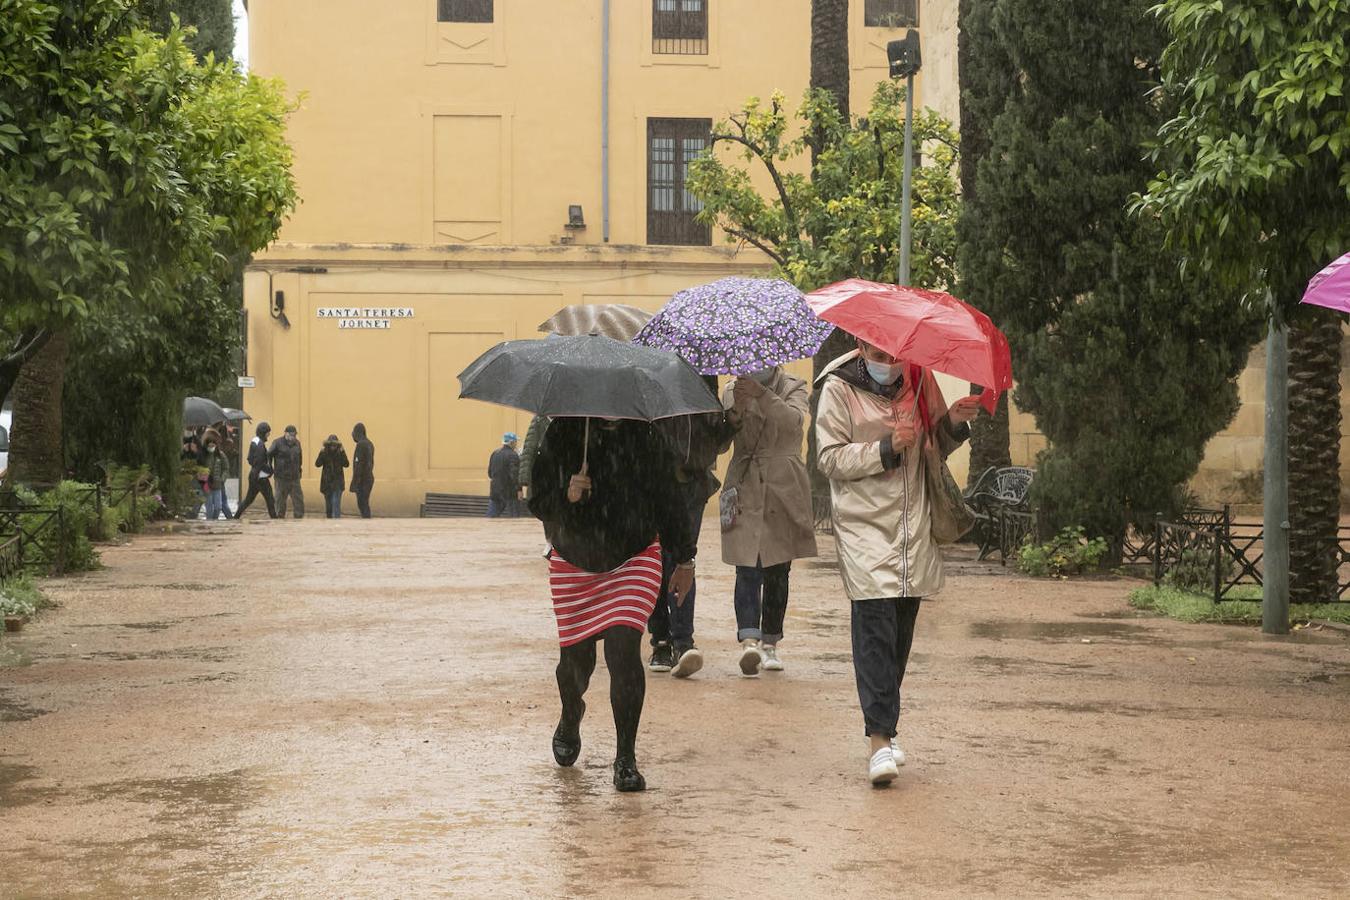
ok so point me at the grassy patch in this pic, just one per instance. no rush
(1187, 607)
(20, 597)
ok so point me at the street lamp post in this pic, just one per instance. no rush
(906, 60)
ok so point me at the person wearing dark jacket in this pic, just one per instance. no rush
(363, 469)
(604, 492)
(217, 467)
(530, 448)
(696, 441)
(287, 468)
(332, 460)
(259, 473)
(504, 479)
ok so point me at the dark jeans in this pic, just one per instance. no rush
(503, 507)
(627, 683)
(258, 486)
(673, 623)
(883, 631)
(363, 499)
(332, 503)
(761, 602)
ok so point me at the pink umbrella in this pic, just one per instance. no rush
(1331, 286)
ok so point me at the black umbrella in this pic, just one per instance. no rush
(587, 376)
(236, 415)
(198, 411)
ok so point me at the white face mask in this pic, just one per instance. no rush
(763, 376)
(884, 374)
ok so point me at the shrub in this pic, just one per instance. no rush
(63, 545)
(1068, 553)
(1194, 570)
(19, 597)
(147, 501)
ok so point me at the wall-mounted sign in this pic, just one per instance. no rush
(365, 316)
(247, 381)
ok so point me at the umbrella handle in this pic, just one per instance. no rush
(586, 446)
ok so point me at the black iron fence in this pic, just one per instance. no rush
(38, 531)
(1217, 556)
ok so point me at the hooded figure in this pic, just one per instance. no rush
(217, 465)
(332, 460)
(363, 469)
(259, 472)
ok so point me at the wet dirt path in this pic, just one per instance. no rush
(363, 709)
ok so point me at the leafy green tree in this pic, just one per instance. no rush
(212, 22)
(1254, 188)
(844, 222)
(1128, 369)
(986, 75)
(129, 173)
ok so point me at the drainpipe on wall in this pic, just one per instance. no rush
(604, 120)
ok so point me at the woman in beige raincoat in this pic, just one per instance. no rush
(867, 428)
(768, 497)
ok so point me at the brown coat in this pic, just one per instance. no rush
(775, 524)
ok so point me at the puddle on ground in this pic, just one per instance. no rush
(197, 654)
(831, 564)
(1062, 631)
(1337, 678)
(193, 586)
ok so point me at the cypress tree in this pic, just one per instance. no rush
(1128, 369)
(213, 19)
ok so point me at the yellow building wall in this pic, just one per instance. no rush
(436, 163)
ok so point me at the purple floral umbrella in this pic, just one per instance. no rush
(736, 326)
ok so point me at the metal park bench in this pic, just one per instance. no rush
(999, 500)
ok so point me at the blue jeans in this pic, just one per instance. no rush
(333, 504)
(761, 602)
(671, 623)
(216, 505)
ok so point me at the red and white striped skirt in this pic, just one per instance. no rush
(586, 603)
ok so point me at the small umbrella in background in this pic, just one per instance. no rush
(236, 415)
(200, 412)
(613, 320)
(735, 326)
(927, 328)
(1331, 286)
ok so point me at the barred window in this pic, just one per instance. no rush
(891, 13)
(680, 26)
(672, 144)
(464, 10)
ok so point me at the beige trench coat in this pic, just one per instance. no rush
(775, 524)
(882, 524)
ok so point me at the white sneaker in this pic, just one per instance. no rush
(751, 658)
(771, 661)
(882, 769)
(690, 661)
(897, 753)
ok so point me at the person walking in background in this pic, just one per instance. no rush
(363, 469)
(767, 521)
(288, 467)
(868, 428)
(259, 473)
(333, 480)
(604, 492)
(217, 466)
(696, 441)
(504, 479)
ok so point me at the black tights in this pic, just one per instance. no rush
(627, 683)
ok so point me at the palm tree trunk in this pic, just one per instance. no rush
(1314, 456)
(35, 450)
(829, 56)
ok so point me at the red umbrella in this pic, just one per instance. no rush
(926, 328)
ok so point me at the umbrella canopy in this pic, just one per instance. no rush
(198, 412)
(613, 320)
(737, 325)
(927, 328)
(236, 415)
(1331, 286)
(587, 375)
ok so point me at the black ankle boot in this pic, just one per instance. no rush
(566, 748)
(626, 775)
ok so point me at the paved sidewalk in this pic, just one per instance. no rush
(363, 708)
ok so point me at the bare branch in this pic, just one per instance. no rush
(773, 254)
(793, 228)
